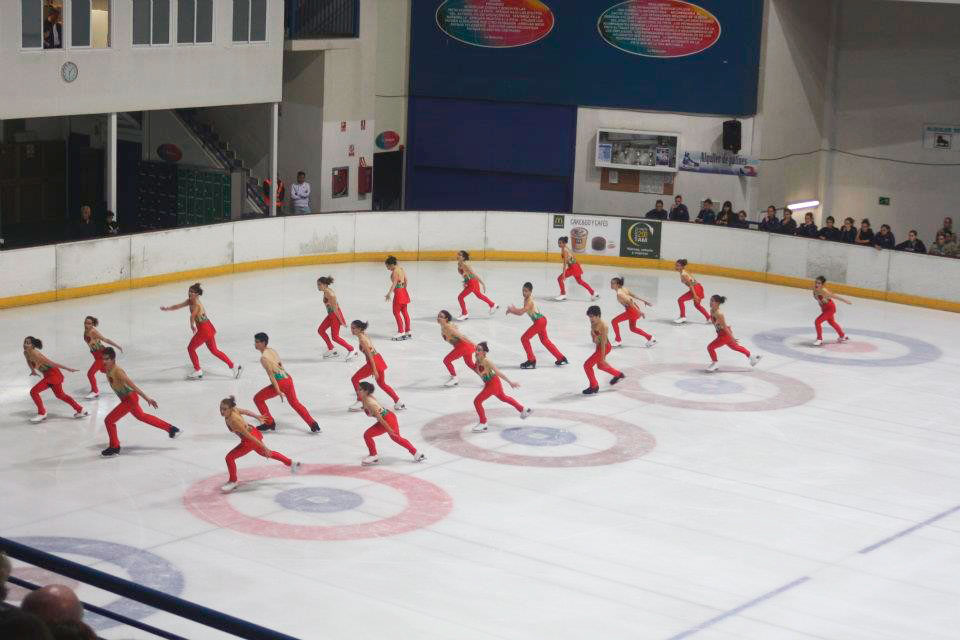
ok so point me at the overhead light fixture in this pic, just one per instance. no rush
(806, 204)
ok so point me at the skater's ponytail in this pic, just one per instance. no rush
(618, 280)
(682, 262)
(230, 401)
(821, 280)
(594, 311)
(446, 315)
(466, 255)
(262, 337)
(195, 288)
(390, 261)
(325, 280)
(360, 324)
(563, 239)
(717, 299)
(108, 352)
(92, 320)
(365, 386)
(36, 342)
(483, 346)
(528, 285)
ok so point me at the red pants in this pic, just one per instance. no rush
(401, 298)
(52, 379)
(539, 329)
(463, 349)
(631, 314)
(246, 447)
(594, 361)
(130, 404)
(725, 340)
(689, 296)
(576, 272)
(378, 430)
(205, 335)
(268, 392)
(472, 286)
(493, 388)
(333, 322)
(95, 368)
(366, 371)
(827, 313)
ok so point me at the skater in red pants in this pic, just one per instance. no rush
(538, 328)
(129, 395)
(401, 298)
(375, 367)
(571, 268)
(462, 348)
(472, 283)
(491, 377)
(95, 341)
(724, 335)
(828, 310)
(600, 336)
(203, 332)
(694, 293)
(281, 384)
(333, 321)
(386, 423)
(631, 312)
(52, 379)
(250, 440)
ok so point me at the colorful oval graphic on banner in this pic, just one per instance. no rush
(388, 140)
(495, 23)
(659, 28)
(170, 152)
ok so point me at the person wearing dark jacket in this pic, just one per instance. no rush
(808, 229)
(658, 212)
(707, 215)
(679, 212)
(913, 244)
(770, 223)
(739, 221)
(848, 233)
(884, 238)
(864, 234)
(788, 226)
(86, 228)
(829, 232)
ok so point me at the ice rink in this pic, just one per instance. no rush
(816, 496)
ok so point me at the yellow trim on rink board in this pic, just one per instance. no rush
(477, 254)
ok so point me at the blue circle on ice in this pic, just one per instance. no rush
(318, 499)
(538, 436)
(709, 386)
(918, 351)
(142, 567)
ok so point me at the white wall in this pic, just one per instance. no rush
(366, 234)
(700, 133)
(128, 78)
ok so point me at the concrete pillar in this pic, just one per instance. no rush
(112, 163)
(274, 135)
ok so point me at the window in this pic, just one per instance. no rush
(41, 24)
(194, 21)
(249, 20)
(90, 20)
(151, 22)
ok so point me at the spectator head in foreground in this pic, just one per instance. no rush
(5, 569)
(54, 604)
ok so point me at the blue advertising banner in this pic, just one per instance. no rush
(727, 164)
(700, 56)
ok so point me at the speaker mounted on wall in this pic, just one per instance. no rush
(731, 136)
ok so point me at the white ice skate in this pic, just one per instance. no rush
(679, 321)
(332, 353)
(93, 395)
(452, 382)
(237, 370)
(40, 417)
(594, 297)
(230, 486)
(370, 461)
(399, 336)
(83, 413)
(650, 342)
(561, 297)
(418, 457)
(843, 339)
(818, 342)
(294, 467)
(480, 427)
(713, 366)
(196, 375)
(617, 343)
(754, 359)
(494, 308)
(399, 406)
(353, 354)
(525, 413)
(407, 336)
(356, 406)
(465, 316)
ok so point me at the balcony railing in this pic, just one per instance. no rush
(316, 19)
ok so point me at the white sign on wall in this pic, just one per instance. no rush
(943, 137)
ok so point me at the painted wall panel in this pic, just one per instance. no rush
(452, 230)
(93, 262)
(388, 232)
(30, 270)
(318, 235)
(258, 240)
(181, 250)
(517, 231)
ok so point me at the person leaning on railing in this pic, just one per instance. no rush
(809, 228)
(770, 223)
(944, 246)
(788, 226)
(913, 244)
(884, 238)
(829, 232)
(848, 232)
(864, 235)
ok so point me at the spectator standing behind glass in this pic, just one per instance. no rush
(300, 194)
(86, 228)
(788, 226)
(864, 234)
(808, 229)
(53, 30)
(829, 232)
(912, 244)
(884, 238)
(848, 232)
(707, 215)
(943, 246)
(770, 222)
(658, 212)
(679, 212)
